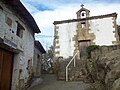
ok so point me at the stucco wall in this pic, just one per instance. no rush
(103, 30)
(37, 62)
(23, 62)
(66, 33)
(23, 58)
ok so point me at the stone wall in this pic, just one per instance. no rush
(103, 68)
(101, 51)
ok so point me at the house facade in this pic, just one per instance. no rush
(76, 34)
(17, 29)
(38, 57)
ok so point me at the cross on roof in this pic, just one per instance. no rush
(82, 5)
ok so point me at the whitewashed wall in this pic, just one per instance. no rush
(25, 46)
(103, 30)
(66, 33)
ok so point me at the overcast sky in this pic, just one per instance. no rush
(45, 12)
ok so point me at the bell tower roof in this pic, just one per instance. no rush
(82, 9)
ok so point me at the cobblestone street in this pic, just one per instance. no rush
(50, 83)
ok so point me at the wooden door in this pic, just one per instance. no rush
(6, 64)
(82, 48)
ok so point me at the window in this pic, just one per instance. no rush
(8, 21)
(83, 24)
(20, 29)
(38, 56)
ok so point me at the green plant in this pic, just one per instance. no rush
(90, 49)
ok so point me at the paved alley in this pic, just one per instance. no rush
(50, 83)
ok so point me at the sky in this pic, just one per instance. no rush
(45, 12)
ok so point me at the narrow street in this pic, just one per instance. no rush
(50, 83)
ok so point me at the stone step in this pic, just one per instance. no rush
(77, 78)
(72, 78)
(74, 73)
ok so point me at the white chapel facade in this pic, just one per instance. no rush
(77, 34)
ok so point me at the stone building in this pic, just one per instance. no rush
(17, 29)
(76, 34)
(38, 56)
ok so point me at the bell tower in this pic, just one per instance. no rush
(83, 23)
(83, 13)
(83, 37)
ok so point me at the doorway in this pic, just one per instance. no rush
(83, 44)
(6, 66)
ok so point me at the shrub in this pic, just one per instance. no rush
(90, 49)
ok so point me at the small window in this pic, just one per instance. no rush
(83, 24)
(38, 56)
(8, 21)
(20, 29)
(1, 7)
